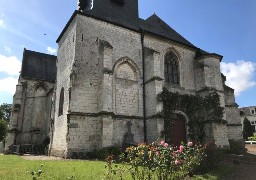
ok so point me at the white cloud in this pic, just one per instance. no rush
(8, 85)
(51, 50)
(239, 75)
(10, 65)
(2, 24)
(7, 49)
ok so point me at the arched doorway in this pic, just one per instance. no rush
(177, 131)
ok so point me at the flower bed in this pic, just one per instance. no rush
(157, 161)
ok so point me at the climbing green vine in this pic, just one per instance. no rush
(198, 109)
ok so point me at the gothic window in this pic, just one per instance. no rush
(171, 69)
(61, 102)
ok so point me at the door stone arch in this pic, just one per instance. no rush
(177, 131)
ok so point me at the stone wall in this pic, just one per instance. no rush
(65, 60)
(232, 116)
(104, 64)
(100, 69)
(30, 118)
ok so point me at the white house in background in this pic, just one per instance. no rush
(250, 114)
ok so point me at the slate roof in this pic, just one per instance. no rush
(202, 53)
(157, 26)
(126, 15)
(38, 66)
(247, 110)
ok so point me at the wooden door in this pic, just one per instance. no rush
(177, 132)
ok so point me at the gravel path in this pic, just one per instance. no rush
(245, 171)
(41, 158)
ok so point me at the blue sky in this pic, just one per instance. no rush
(227, 28)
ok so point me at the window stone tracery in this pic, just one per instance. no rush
(171, 69)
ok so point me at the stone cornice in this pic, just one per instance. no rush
(155, 116)
(209, 89)
(232, 105)
(102, 113)
(234, 124)
(155, 78)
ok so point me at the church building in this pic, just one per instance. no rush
(110, 67)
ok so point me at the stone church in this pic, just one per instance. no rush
(101, 89)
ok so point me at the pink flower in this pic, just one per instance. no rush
(165, 145)
(162, 143)
(177, 162)
(157, 152)
(181, 148)
(190, 144)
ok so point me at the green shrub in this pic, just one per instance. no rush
(236, 146)
(212, 158)
(247, 129)
(3, 129)
(252, 138)
(103, 153)
(157, 161)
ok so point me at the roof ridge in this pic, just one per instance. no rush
(27, 50)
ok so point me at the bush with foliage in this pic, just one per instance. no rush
(157, 161)
(236, 146)
(252, 138)
(247, 129)
(103, 153)
(5, 112)
(3, 129)
(213, 156)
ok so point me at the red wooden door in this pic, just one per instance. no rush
(177, 132)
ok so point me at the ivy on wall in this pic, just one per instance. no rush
(198, 109)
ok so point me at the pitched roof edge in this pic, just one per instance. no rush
(67, 25)
(22, 64)
(186, 45)
(227, 88)
(200, 54)
(108, 21)
(247, 107)
(27, 51)
(136, 30)
(92, 16)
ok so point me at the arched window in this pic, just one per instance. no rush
(171, 69)
(61, 102)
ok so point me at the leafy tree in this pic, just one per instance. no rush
(3, 129)
(5, 112)
(247, 129)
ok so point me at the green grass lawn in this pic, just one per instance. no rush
(14, 167)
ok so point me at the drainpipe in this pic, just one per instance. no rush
(143, 86)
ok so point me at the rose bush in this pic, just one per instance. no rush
(159, 161)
